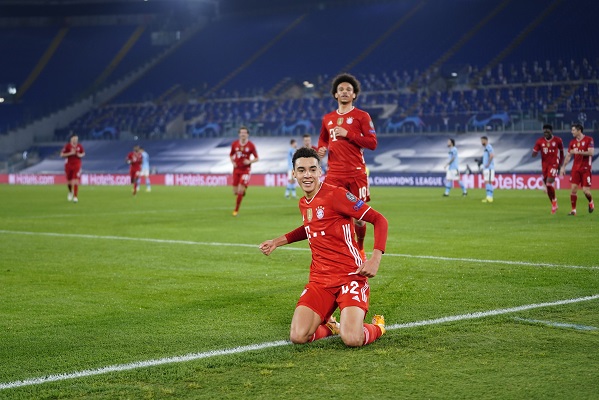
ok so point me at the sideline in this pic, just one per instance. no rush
(243, 349)
(190, 242)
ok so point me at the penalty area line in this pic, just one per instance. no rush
(192, 242)
(261, 346)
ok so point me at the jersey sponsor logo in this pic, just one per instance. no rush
(351, 197)
(339, 121)
(358, 205)
(320, 212)
(350, 120)
(309, 214)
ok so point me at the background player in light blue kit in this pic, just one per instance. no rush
(453, 170)
(290, 179)
(488, 168)
(145, 169)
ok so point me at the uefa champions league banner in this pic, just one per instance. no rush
(472, 181)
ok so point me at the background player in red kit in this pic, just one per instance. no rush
(134, 159)
(552, 157)
(345, 132)
(72, 152)
(582, 148)
(338, 273)
(243, 154)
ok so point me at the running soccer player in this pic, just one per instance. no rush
(73, 152)
(338, 273)
(243, 154)
(345, 133)
(552, 157)
(134, 160)
(582, 148)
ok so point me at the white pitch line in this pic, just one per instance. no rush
(260, 346)
(525, 263)
(558, 324)
(191, 242)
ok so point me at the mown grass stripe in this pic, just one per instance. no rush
(261, 346)
(191, 242)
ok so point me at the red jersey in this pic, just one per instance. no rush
(240, 152)
(72, 161)
(327, 219)
(346, 154)
(134, 160)
(552, 151)
(582, 163)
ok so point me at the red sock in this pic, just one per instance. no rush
(321, 332)
(360, 234)
(371, 333)
(573, 199)
(76, 190)
(238, 201)
(551, 192)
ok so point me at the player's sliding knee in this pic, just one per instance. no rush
(298, 337)
(353, 340)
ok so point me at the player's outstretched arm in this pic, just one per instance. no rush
(295, 235)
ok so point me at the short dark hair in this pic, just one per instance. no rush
(345, 77)
(484, 137)
(452, 141)
(578, 127)
(243, 127)
(305, 152)
(548, 126)
(292, 141)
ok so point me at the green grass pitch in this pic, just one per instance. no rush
(117, 280)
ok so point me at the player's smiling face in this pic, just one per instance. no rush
(307, 172)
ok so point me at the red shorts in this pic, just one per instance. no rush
(72, 171)
(550, 171)
(134, 174)
(581, 177)
(324, 301)
(357, 185)
(241, 178)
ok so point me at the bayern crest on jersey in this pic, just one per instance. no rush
(350, 120)
(320, 212)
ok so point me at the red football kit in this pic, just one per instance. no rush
(135, 160)
(72, 164)
(239, 153)
(582, 167)
(552, 153)
(327, 224)
(346, 154)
